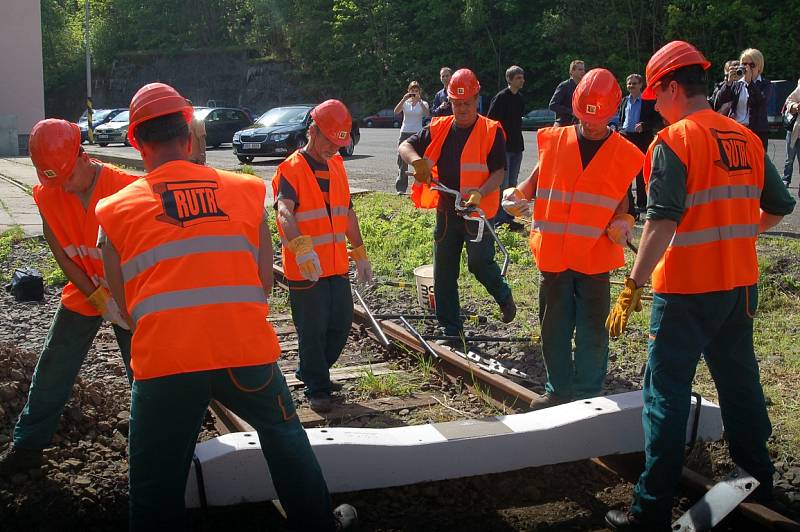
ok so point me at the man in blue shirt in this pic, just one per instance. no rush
(441, 105)
(635, 122)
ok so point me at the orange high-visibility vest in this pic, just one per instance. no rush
(474, 170)
(75, 229)
(574, 205)
(188, 241)
(326, 231)
(714, 247)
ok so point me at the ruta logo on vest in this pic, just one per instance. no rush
(189, 203)
(733, 156)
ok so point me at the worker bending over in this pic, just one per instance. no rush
(712, 190)
(188, 255)
(315, 217)
(71, 185)
(464, 152)
(580, 225)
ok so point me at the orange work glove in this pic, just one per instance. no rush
(363, 266)
(473, 198)
(307, 259)
(422, 171)
(629, 300)
(619, 229)
(515, 204)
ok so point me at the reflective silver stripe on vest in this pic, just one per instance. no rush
(328, 239)
(714, 234)
(197, 297)
(558, 228)
(82, 251)
(314, 214)
(721, 193)
(189, 246)
(587, 198)
(474, 167)
(340, 211)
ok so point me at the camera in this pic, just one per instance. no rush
(740, 71)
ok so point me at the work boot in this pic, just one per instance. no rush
(547, 400)
(619, 520)
(17, 460)
(509, 310)
(346, 517)
(320, 402)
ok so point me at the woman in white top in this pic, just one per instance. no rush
(792, 108)
(414, 110)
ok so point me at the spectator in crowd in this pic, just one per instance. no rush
(441, 104)
(733, 71)
(791, 109)
(414, 110)
(507, 108)
(748, 95)
(197, 130)
(561, 102)
(635, 122)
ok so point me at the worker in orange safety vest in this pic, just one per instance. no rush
(711, 191)
(188, 255)
(465, 152)
(580, 225)
(315, 219)
(71, 185)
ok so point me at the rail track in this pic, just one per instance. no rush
(503, 389)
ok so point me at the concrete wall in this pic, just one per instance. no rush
(22, 86)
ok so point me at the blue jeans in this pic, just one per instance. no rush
(792, 153)
(718, 326)
(510, 179)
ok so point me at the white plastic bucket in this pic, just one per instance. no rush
(425, 295)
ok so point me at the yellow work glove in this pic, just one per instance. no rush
(627, 302)
(515, 204)
(473, 199)
(307, 259)
(363, 266)
(101, 300)
(422, 171)
(619, 229)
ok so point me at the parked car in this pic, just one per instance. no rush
(538, 118)
(99, 116)
(221, 123)
(383, 118)
(279, 132)
(115, 130)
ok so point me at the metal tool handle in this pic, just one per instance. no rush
(373, 321)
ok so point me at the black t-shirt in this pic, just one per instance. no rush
(507, 108)
(589, 148)
(449, 164)
(287, 191)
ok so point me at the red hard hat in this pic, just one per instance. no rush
(671, 56)
(597, 96)
(54, 146)
(334, 121)
(463, 85)
(154, 100)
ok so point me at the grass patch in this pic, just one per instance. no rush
(373, 385)
(36, 254)
(399, 238)
(247, 169)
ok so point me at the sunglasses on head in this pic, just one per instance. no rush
(751, 65)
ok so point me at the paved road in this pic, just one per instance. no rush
(374, 164)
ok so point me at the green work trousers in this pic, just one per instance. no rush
(451, 234)
(68, 341)
(166, 415)
(323, 314)
(718, 325)
(573, 302)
